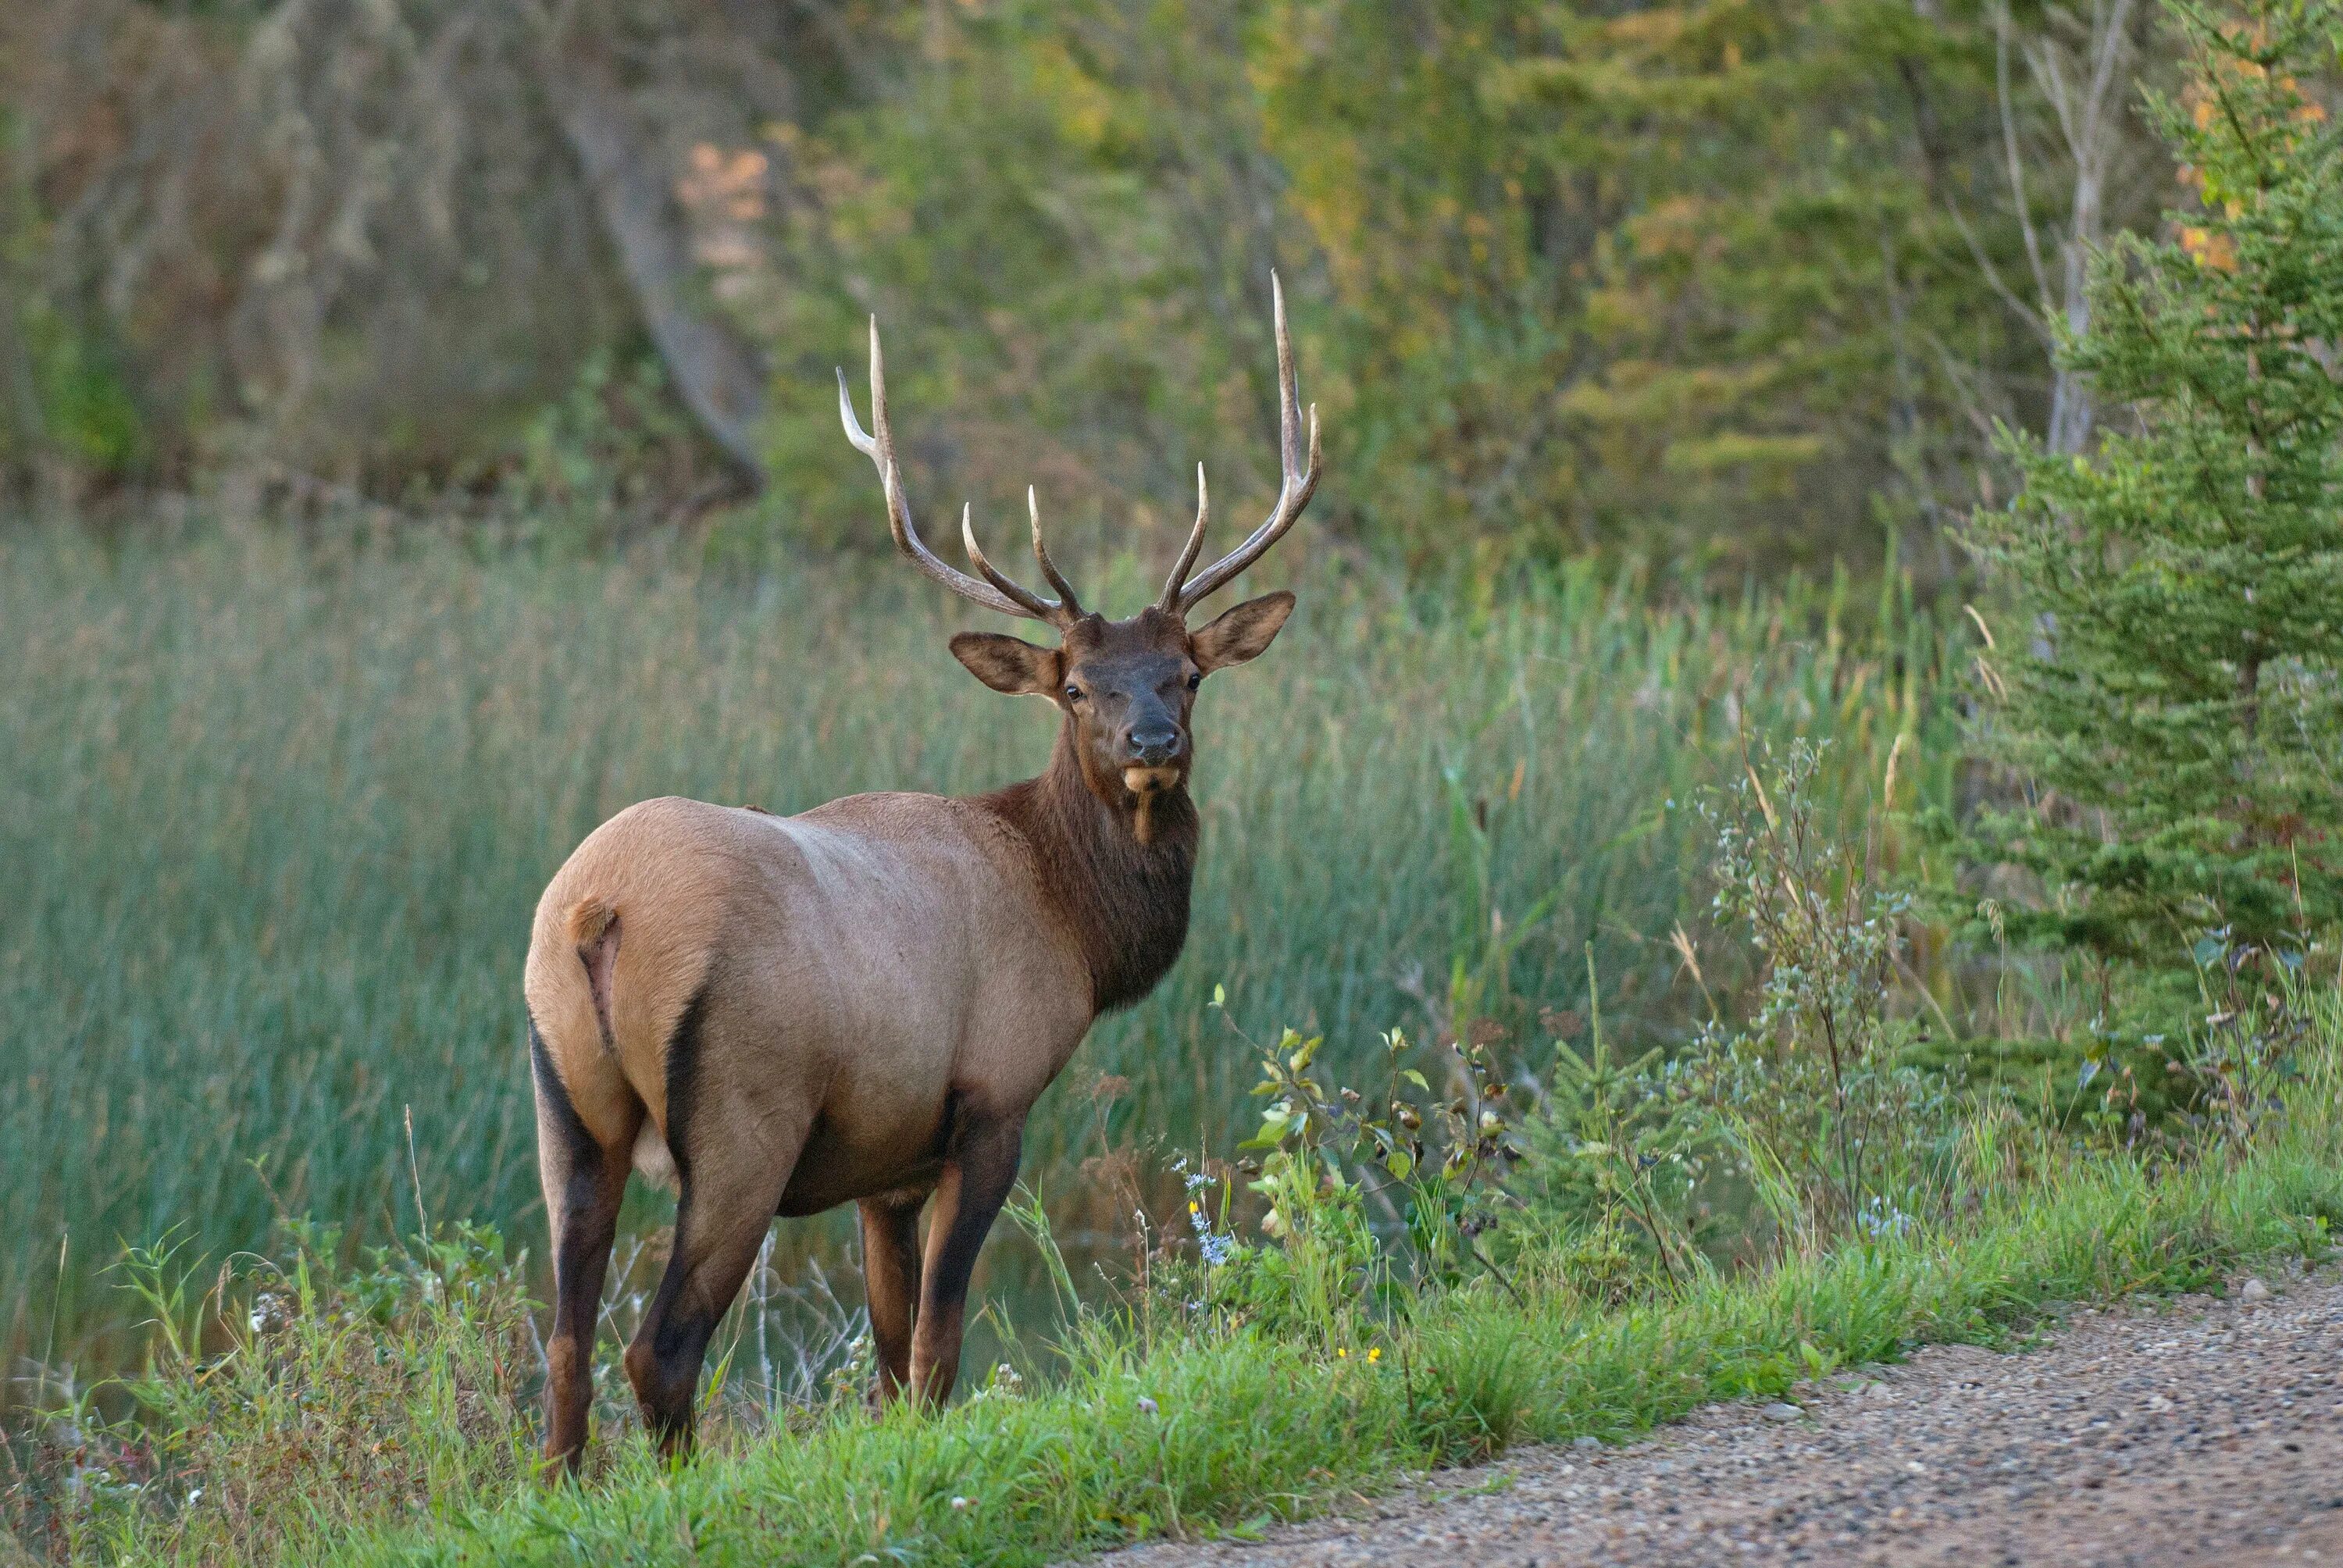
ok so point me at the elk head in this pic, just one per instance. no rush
(1127, 688)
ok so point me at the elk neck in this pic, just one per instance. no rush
(1126, 903)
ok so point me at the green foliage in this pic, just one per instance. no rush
(602, 461)
(1319, 1260)
(1613, 1158)
(1807, 1120)
(2173, 684)
(1820, 1112)
(1705, 273)
(1431, 1164)
(2248, 1058)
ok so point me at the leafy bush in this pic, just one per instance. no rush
(1432, 1165)
(2116, 1086)
(1806, 1120)
(1615, 1156)
(1809, 1090)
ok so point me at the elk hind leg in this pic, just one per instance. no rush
(730, 1189)
(890, 1283)
(977, 1176)
(585, 1179)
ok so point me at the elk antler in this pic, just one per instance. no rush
(997, 591)
(1181, 593)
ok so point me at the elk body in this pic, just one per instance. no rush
(862, 1004)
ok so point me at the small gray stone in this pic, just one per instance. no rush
(2253, 1291)
(1780, 1411)
(1587, 1442)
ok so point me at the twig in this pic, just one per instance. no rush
(1473, 1247)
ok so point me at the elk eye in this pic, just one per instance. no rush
(1073, 694)
(1196, 679)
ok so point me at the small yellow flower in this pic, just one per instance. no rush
(1341, 1355)
(1195, 1208)
(1375, 1353)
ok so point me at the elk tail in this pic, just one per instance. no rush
(594, 926)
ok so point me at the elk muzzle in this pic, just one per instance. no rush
(1152, 751)
(1153, 745)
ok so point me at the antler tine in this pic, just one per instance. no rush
(1169, 602)
(881, 449)
(1032, 603)
(1289, 396)
(1072, 605)
(1294, 490)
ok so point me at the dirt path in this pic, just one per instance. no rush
(2208, 1431)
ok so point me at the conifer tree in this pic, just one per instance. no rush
(2171, 689)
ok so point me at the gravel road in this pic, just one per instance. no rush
(2198, 1432)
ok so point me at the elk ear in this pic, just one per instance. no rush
(1007, 664)
(1241, 634)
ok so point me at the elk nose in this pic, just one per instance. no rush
(1153, 745)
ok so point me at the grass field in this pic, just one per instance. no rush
(273, 818)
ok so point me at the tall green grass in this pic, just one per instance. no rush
(273, 819)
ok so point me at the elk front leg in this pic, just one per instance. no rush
(891, 1284)
(977, 1176)
(585, 1180)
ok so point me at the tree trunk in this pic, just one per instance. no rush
(717, 372)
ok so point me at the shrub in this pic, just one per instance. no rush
(1815, 1120)
(1432, 1164)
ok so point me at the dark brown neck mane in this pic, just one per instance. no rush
(1125, 901)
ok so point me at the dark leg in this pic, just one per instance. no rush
(977, 1175)
(719, 1222)
(890, 1283)
(584, 1183)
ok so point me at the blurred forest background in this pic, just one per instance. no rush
(1733, 284)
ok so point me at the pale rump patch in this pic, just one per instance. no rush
(1147, 783)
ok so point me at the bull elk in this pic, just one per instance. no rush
(862, 1004)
